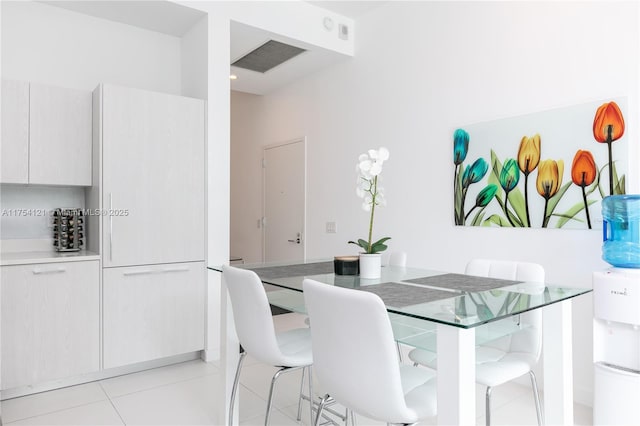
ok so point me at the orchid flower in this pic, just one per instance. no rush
(369, 168)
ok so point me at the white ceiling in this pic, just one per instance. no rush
(155, 15)
(173, 19)
(245, 38)
(350, 9)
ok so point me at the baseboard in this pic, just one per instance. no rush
(98, 375)
(583, 396)
(210, 355)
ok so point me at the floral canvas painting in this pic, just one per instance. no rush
(543, 170)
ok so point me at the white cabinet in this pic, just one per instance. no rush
(59, 136)
(153, 176)
(152, 312)
(152, 185)
(15, 132)
(50, 321)
(46, 135)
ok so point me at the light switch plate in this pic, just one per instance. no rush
(343, 32)
(331, 228)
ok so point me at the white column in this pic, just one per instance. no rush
(558, 363)
(456, 375)
(218, 172)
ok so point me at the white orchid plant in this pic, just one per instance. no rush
(369, 168)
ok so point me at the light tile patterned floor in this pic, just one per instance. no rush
(186, 394)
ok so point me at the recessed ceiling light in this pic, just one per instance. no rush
(233, 77)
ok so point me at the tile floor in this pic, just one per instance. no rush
(185, 394)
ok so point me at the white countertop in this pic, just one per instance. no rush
(31, 257)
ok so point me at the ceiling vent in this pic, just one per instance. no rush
(268, 56)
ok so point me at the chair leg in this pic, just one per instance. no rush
(536, 397)
(270, 399)
(323, 402)
(304, 370)
(399, 351)
(488, 407)
(310, 378)
(234, 389)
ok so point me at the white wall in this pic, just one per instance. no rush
(55, 46)
(26, 210)
(49, 45)
(194, 55)
(420, 70)
(247, 140)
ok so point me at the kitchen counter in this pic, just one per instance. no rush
(30, 257)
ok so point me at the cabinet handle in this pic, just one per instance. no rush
(58, 270)
(178, 269)
(139, 272)
(111, 226)
(155, 271)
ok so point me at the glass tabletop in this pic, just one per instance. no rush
(453, 299)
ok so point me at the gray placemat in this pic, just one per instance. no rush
(463, 282)
(398, 295)
(275, 272)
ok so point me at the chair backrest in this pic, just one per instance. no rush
(529, 340)
(252, 315)
(354, 353)
(398, 258)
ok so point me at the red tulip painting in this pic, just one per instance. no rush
(511, 172)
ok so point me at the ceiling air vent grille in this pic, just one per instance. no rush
(268, 56)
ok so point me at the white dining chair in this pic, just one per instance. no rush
(398, 258)
(509, 357)
(289, 350)
(355, 359)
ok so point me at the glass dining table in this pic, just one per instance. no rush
(450, 314)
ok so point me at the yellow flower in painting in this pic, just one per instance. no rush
(549, 177)
(529, 153)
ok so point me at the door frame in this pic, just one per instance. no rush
(302, 139)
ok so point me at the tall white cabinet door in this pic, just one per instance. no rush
(60, 136)
(153, 147)
(15, 132)
(50, 322)
(152, 312)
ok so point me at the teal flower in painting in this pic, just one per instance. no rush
(486, 195)
(474, 173)
(460, 149)
(483, 199)
(509, 178)
(460, 146)
(510, 175)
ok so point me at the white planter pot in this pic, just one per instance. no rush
(370, 265)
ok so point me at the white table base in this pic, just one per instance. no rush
(456, 375)
(558, 363)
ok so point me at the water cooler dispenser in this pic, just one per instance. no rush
(616, 310)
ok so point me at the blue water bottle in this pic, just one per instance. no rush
(621, 230)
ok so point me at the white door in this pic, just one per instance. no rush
(60, 123)
(15, 132)
(284, 201)
(50, 322)
(153, 177)
(152, 312)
